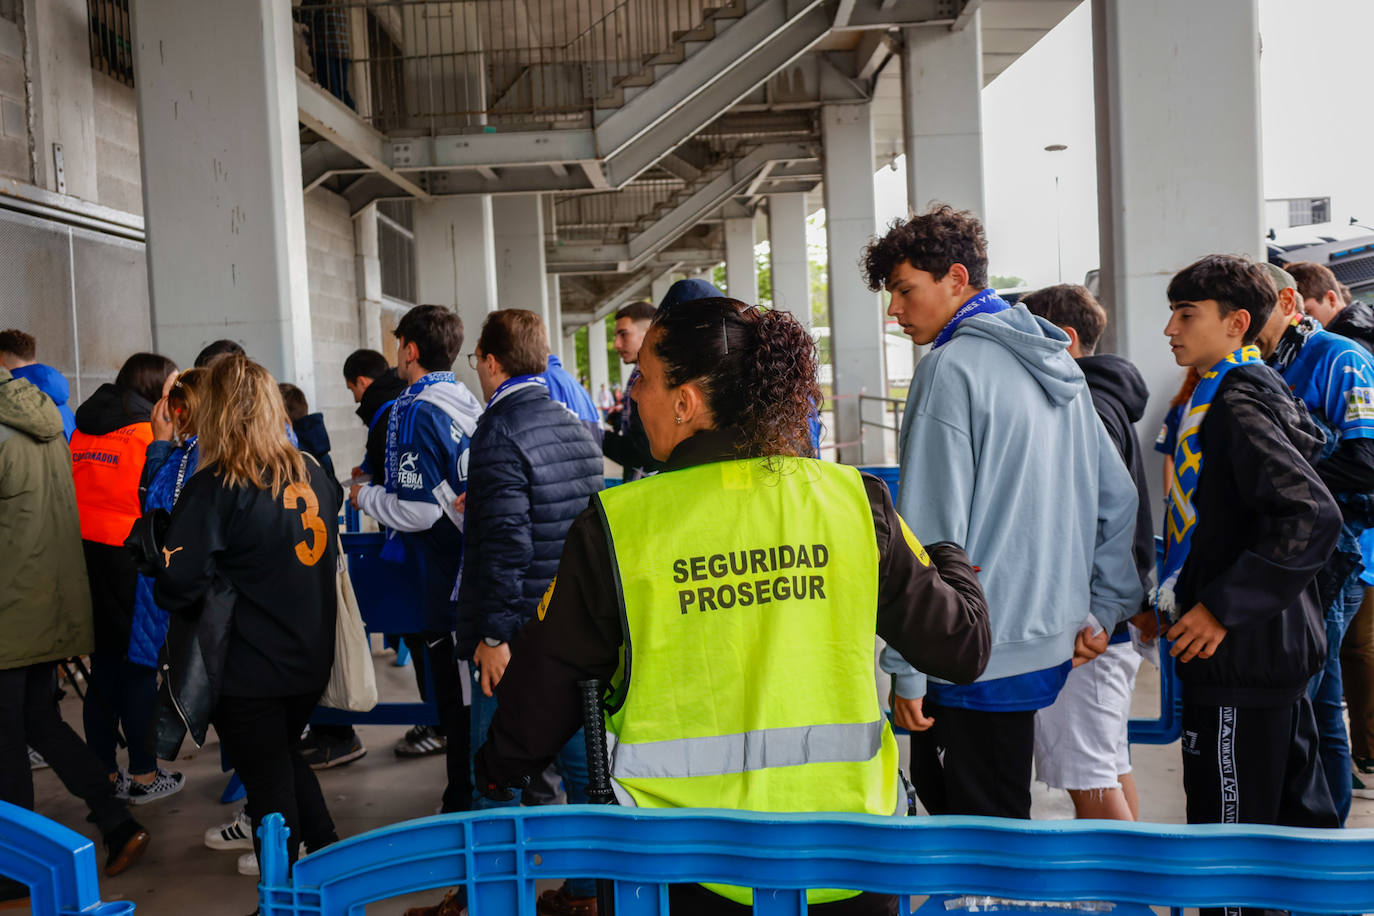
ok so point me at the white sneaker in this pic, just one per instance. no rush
(237, 834)
(121, 784)
(165, 783)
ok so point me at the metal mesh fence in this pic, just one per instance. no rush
(82, 294)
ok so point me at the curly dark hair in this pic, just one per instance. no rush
(1234, 282)
(756, 366)
(933, 241)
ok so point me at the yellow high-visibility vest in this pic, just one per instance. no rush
(749, 594)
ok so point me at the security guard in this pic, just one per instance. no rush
(730, 602)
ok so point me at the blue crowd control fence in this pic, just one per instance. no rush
(1162, 730)
(58, 865)
(497, 856)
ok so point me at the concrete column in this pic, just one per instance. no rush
(368, 265)
(659, 288)
(569, 338)
(942, 109)
(518, 224)
(62, 95)
(856, 318)
(598, 372)
(1157, 211)
(787, 254)
(740, 270)
(555, 322)
(455, 265)
(221, 165)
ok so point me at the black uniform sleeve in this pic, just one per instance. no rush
(931, 608)
(1297, 521)
(376, 447)
(1350, 468)
(196, 533)
(575, 636)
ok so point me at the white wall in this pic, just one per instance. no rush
(119, 183)
(333, 320)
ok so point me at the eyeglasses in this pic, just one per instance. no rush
(472, 360)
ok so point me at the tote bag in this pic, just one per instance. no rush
(353, 681)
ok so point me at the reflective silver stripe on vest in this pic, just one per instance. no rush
(744, 751)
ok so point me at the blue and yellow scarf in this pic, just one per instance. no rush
(1181, 519)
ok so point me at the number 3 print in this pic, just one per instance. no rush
(308, 553)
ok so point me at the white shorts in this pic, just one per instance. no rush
(1080, 741)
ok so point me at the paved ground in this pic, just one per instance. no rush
(180, 876)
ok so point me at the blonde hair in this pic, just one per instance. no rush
(188, 391)
(242, 428)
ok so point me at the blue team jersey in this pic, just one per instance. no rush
(1334, 377)
(432, 456)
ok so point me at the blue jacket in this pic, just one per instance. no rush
(54, 384)
(567, 391)
(532, 469)
(148, 630)
(1003, 454)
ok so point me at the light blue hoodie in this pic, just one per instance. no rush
(1003, 454)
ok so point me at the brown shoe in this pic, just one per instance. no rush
(125, 844)
(561, 903)
(451, 905)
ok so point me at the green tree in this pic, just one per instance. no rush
(1005, 281)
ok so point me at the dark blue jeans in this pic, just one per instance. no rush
(121, 693)
(1326, 692)
(571, 762)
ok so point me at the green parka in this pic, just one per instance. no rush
(45, 603)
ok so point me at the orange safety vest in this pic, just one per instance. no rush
(106, 470)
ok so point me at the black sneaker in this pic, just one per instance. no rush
(324, 754)
(1364, 765)
(421, 741)
(165, 783)
(124, 845)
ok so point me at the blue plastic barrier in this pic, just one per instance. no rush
(498, 855)
(57, 864)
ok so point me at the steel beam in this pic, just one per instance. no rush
(709, 196)
(337, 123)
(965, 16)
(877, 14)
(456, 151)
(692, 96)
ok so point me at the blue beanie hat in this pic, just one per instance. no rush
(687, 290)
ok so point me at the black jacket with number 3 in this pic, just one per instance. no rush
(279, 553)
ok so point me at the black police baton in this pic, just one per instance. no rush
(598, 773)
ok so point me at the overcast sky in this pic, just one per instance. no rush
(1318, 138)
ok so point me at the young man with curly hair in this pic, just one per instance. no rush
(1003, 454)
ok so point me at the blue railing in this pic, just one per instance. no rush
(497, 856)
(57, 864)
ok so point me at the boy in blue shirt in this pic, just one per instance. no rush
(1334, 377)
(425, 472)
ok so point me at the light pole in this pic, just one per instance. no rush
(1058, 231)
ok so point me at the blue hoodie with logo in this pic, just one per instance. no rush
(1003, 454)
(54, 384)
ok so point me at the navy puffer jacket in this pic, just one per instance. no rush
(532, 469)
